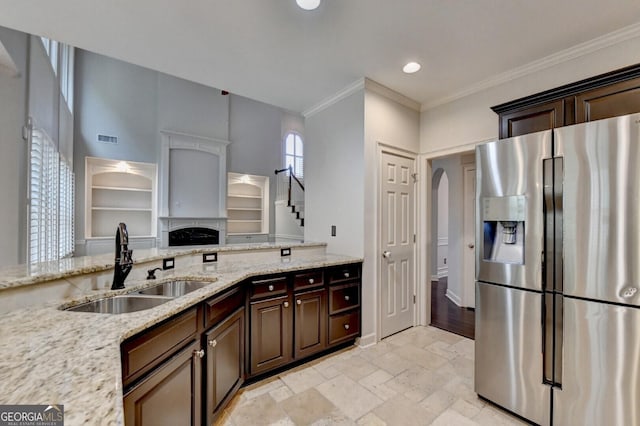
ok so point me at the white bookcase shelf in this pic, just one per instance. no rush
(247, 204)
(120, 191)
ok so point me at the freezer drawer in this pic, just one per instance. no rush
(508, 358)
(601, 365)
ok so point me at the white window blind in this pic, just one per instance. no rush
(51, 190)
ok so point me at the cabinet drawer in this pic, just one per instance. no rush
(344, 327)
(147, 350)
(220, 307)
(343, 297)
(268, 287)
(344, 272)
(307, 280)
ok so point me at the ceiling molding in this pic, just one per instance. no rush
(574, 52)
(335, 98)
(391, 94)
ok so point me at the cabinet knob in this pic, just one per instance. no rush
(286, 304)
(311, 281)
(299, 302)
(213, 343)
(271, 287)
(346, 274)
(199, 354)
(346, 298)
(346, 326)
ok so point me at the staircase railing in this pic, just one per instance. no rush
(292, 177)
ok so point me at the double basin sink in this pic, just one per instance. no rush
(140, 300)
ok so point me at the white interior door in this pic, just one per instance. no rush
(469, 236)
(397, 243)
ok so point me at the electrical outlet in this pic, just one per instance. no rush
(168, 263)
(285, 252)
(209, 257)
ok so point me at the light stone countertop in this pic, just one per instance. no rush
(49, 356)
(21, 275)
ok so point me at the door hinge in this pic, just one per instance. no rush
(414, 238)
(414, 299)
(26, 129)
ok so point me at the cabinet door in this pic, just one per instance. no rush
(610, 101)
(533, 119)
(170, 395)
(271, 322)
(225, 361)
(310, 322)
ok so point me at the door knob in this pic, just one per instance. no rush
(199, 353)
(286, 304)
(299, 302)
(213, 343)
(470, 245)
(386, 254)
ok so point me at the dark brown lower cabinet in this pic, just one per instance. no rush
(310, 322)
(224, 363)
(271, 322)
(170, 395)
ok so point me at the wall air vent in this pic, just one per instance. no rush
(108, 139)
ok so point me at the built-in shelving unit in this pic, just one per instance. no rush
(247, 204)
(120, 191)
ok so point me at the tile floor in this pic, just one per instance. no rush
(422, 376)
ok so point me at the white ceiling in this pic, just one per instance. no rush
(272, 51)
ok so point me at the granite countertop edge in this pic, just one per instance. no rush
(24, 275)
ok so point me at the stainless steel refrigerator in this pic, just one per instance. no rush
(558, 274)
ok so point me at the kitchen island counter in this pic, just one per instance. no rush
(51, 356)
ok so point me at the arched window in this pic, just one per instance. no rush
(293, 154)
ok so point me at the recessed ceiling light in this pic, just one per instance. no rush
(308, 4)
(411, 67)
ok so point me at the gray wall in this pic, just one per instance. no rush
(135, 104)
(334, 176)
(13, 149)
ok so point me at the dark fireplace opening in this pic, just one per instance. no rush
(194, 236)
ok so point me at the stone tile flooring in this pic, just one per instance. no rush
(422, 376)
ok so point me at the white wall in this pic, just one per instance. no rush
(441, 252)
(334, 176)
(396, 125)
(452, 166)
(13, 150)
(470, 120)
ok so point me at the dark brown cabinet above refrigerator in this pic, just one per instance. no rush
(604, 96)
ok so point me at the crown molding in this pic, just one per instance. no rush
(335, 98)
(557, 58)
(391, 94)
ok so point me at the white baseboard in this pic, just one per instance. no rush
(454, 297)
(366, 341)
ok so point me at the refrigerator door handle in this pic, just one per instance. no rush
(558, 180)
(548, 258)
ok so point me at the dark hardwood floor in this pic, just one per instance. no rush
(447, 315)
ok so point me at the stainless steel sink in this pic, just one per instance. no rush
(174, 288)
(120, 304)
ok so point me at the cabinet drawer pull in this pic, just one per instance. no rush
(299, 302)
(271, 287)
(346, 298)
(311, 281)
(199, 354)
(213, 343)
(346, 326)
(286, 304)
(346, 274)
